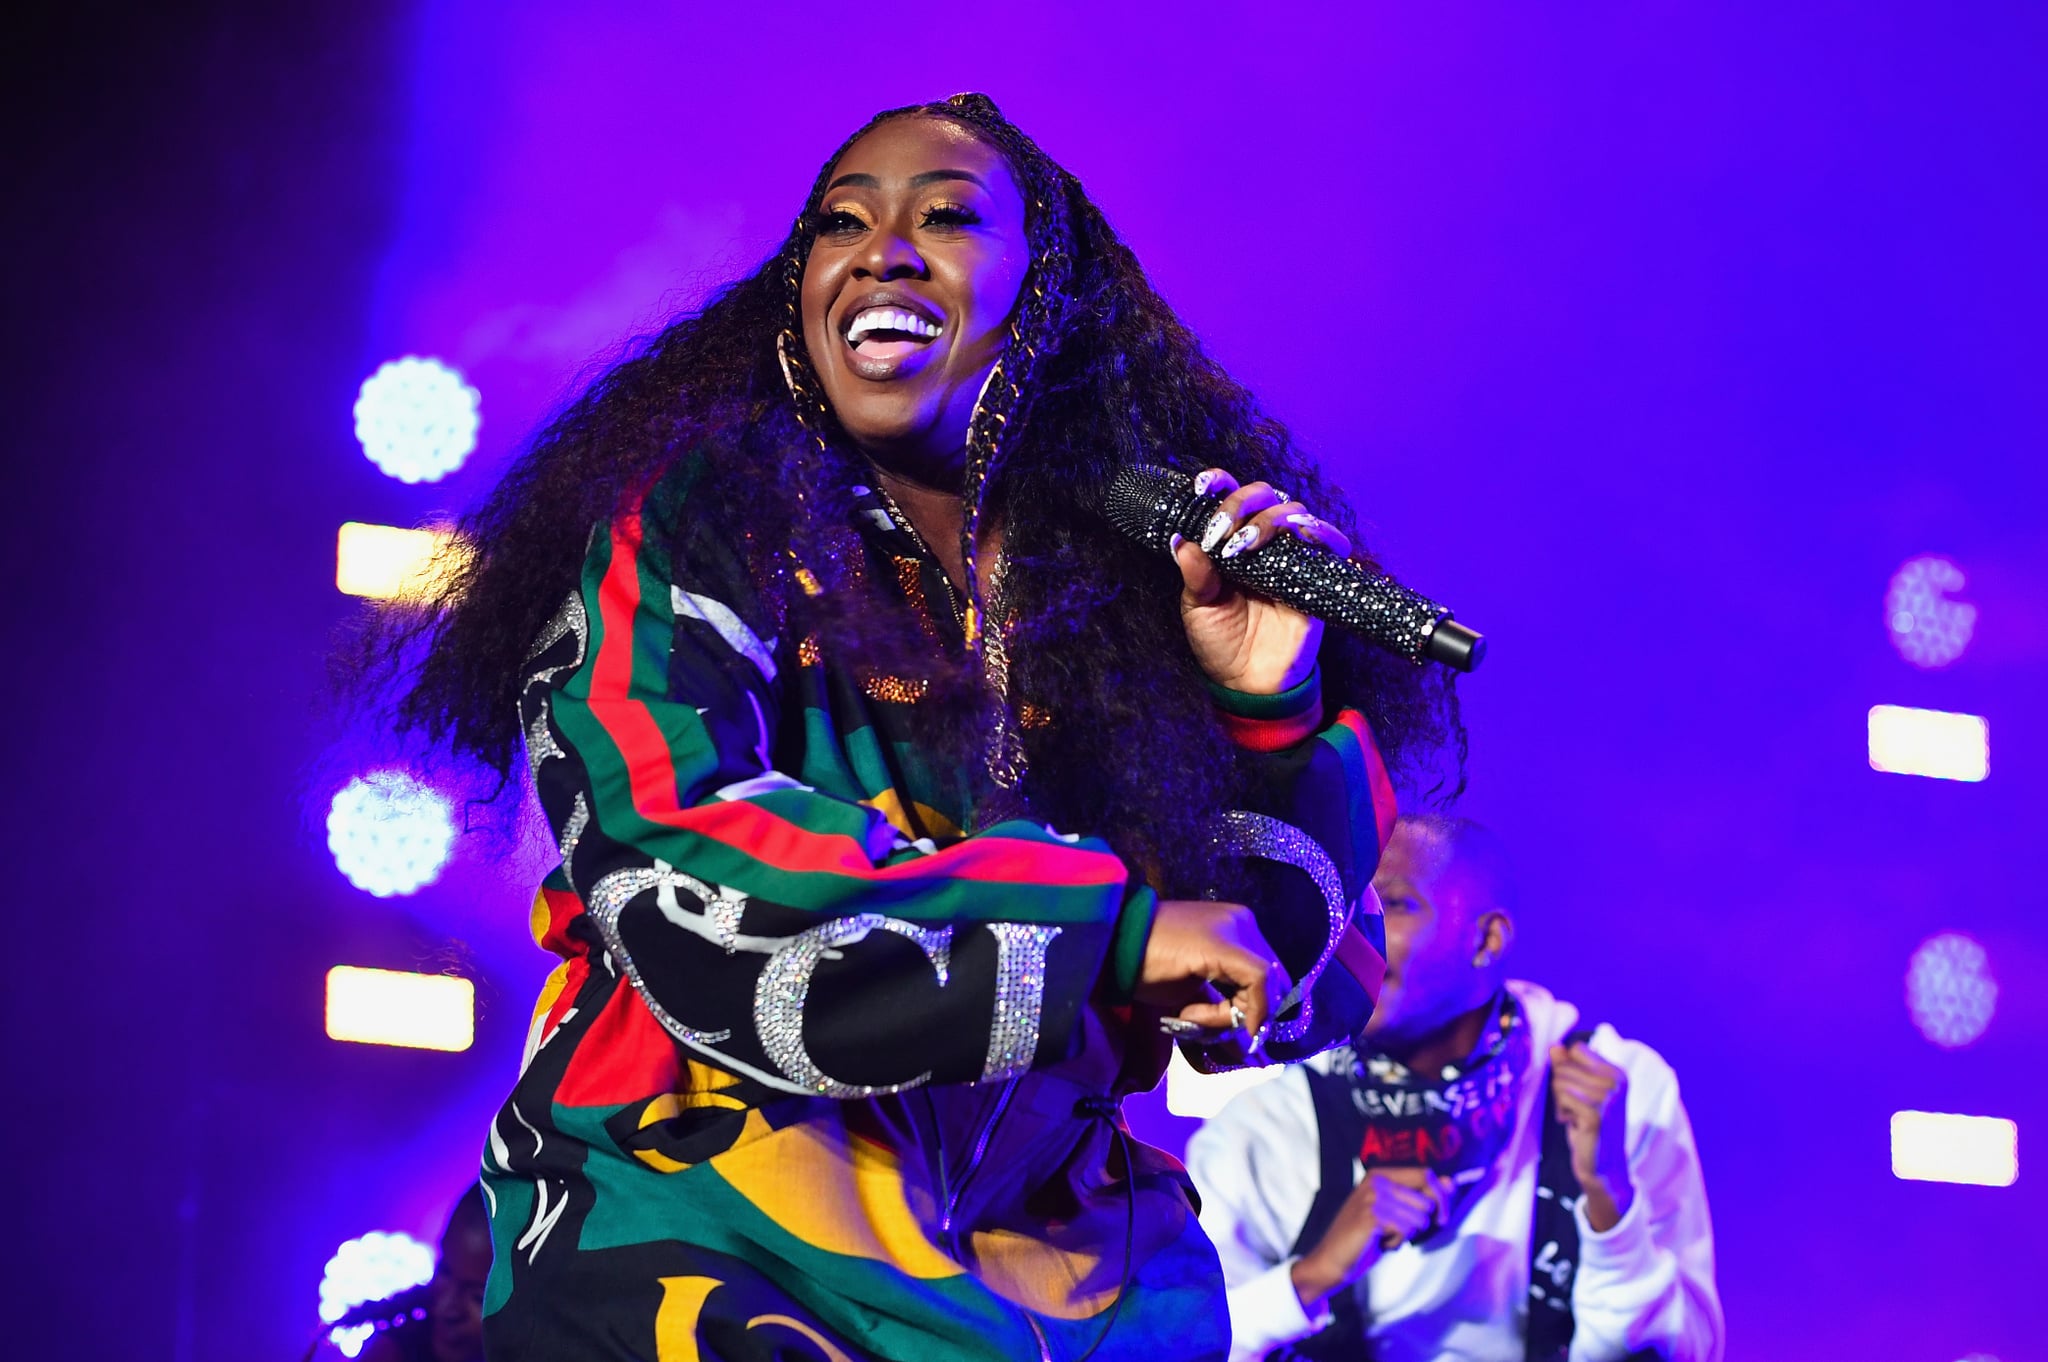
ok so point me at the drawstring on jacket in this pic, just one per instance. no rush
(1110, 1109)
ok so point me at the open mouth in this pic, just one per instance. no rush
(883, 331)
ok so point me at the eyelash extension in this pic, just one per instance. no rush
(836, 221)
(843, 222)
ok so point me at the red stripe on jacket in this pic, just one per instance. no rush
(761, 834)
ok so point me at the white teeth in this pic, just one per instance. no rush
(874, 319)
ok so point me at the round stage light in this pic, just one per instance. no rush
(417, 419)
(377, 1265)
(389, 833)
(1949, 990)
(1928, 628)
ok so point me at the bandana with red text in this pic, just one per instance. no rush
(1456, 1126)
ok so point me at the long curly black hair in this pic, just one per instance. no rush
(1098, 372)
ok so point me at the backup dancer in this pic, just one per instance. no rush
(1485, 1174)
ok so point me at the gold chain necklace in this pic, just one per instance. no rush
(1005, 757)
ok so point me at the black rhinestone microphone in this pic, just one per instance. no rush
(1151, 504)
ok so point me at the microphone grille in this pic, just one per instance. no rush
(1146, 500)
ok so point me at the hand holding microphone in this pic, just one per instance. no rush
(1244, 641)
(1306, 568)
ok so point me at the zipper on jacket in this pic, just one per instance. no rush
(974, 1158)
(935, 1155)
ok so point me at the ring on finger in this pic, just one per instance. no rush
(1236, 1017)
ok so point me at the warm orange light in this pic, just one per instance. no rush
(389, 1007)
(383, 562)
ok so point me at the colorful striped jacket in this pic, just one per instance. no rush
(819, 1075)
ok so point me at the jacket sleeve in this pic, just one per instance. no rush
(1320, 810)
(1647, 1284)
(785, 934)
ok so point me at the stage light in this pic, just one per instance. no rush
(1928, 628)
(383, 562)
(392, 1007)
(349, 1342)
(389, 833)
(1189, 1092)
(377, 1265)
(1929, 742)
(1934, 1146)
(1949, 991)
(417, 419)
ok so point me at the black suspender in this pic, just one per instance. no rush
(1554, 1237)
(1340, 1130)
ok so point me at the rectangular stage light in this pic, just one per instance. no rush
(1929, 742)
(383, 562)
(1933, 1146)
(389, 1007)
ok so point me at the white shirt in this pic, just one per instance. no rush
(1647, 1282)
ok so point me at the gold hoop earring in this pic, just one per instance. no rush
(788, 377)
(974, 413)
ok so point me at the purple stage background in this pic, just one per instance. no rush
(1653, 338)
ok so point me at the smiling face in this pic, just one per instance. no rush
(909, 288)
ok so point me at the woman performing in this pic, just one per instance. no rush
(906, 809)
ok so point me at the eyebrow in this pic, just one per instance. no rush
(918, 181)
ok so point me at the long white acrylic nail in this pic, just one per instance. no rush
(1217, 530)
(1240, 541)
(1203, 482)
